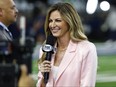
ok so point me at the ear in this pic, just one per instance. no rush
(1, 12)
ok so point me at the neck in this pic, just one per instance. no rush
(6, 24)
(63, 41)
(63, 44)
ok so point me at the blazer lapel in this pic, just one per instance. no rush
(6, 35)
(68, 56)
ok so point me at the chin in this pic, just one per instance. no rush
(55, 35)
(14, 20)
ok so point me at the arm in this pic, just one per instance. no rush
(40, 80)
(89, 67)
(40, 75)
(43, 66)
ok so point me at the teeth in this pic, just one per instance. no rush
(55, 30)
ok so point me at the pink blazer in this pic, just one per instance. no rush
(77, 69)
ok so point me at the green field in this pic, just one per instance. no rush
(106, 68)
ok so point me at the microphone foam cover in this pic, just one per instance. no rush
(51, 40)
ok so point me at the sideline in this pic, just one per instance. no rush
(106, 48)
(106, 78)
(100, 77)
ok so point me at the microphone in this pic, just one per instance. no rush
(49, 49)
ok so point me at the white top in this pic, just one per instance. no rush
(55, 71)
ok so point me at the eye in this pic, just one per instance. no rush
(50, 20)
(13, 7)
(58, 20)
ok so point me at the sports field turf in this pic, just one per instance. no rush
(107, 70)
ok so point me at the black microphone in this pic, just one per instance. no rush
(49, 49)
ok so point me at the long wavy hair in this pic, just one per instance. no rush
(70, 15)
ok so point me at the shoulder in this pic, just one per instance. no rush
(86, 43)
(86, 46)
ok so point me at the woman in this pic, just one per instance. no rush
(74, 64)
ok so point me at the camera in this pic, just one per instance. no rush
(12, 55)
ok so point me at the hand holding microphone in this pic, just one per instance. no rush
(49, 49)
(45, 66)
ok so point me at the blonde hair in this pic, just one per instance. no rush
(70, 15)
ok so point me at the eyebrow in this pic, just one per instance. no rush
(56, 18)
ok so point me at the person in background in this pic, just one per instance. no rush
(74, 63)
(8, 15)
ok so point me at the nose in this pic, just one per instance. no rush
(53, 24)
(16, 10)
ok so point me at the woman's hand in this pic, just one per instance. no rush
(45, 66)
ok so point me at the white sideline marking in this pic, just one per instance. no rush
(106, 78)
(100, 77)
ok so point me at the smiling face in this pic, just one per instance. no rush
(57, 25)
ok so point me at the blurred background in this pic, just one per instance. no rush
(99, 22)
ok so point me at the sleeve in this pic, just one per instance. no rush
(40, 52)
(89, 67)
(40, 76)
